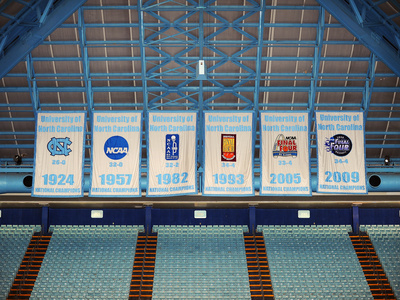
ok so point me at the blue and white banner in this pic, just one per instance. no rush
(172, 154)
(116, 154)
(285, 156)
(59, 154)
(341, 152)
(228, 154)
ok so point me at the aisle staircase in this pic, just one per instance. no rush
(372, 267)
(30, 266)
(257, 262)
(143, 267)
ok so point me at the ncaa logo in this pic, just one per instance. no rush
(116, 147)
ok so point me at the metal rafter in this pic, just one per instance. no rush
(38, 31)
(317, 60)
(234, 51)
(32, 83)
(85, 60)
(367, 25)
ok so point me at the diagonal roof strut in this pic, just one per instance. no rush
(30, 39)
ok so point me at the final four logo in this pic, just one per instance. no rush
(59, 146)
(228, 147)
(116, 147)
(285, 146)
(339, 145)
(172, 147)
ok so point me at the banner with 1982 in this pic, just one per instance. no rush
(285, 168)
(341, 152)
(116, 154)
(172, 156)
(228, 157)
(59, 154)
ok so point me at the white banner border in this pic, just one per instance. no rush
(309, 154)
(196, 188)
(365, 165)
(253, 135)
(37, 113)
(140, 154)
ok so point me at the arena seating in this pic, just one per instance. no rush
(314, 262)
(87, 262)
(386, 241)
(14, 241)
(198, 262)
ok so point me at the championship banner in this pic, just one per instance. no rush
(285, 168)
(59, 154)
(116, 154)
(341, 152)
(172, 156)
(228, 155)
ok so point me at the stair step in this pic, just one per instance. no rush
(29, 269)
(372, 267)
(258, 269)
(143, 268)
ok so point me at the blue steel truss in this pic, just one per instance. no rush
(257, 56)
(370, 25)
(29, 27)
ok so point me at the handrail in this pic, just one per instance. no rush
(362, 236)
(258, 265)
(143, 264)
(29, 264)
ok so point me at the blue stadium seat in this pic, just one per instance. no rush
(314, 262)
(386, 241)
(201, 262)
(87, 262)
(14, 241)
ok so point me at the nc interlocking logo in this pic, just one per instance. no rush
(59, 146)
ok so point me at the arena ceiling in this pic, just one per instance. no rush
(68, 55)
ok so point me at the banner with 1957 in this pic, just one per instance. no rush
(228, 157)
(172, 152)
(59, 154)
(341, 152)
(116, 154)
(284, 153)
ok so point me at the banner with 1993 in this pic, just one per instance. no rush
(228, 157)
(341, 152)
(172, 154)
(116, 154)
(285, 153)
(59, 154)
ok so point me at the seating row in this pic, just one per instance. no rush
(386, 241)
(315, 262)
(200, 262)
(88, 263)
(14, 241)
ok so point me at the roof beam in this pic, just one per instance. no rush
(30, 39)
(259, 56)
(371, 36)
(316, 60)
(142, 34)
